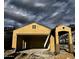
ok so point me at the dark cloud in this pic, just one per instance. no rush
(47, 12)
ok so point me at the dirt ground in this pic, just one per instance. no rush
(37, 54)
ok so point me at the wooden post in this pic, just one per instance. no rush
(25, 44)
(22, 44)
(46, 40)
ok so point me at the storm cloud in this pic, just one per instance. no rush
(48, 12)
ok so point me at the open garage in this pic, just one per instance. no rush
(33, 36)
(30, 41)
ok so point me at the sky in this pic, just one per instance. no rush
(18, 13)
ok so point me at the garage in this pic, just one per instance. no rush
(30, 41)
(33, 36)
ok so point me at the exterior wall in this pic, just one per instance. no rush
(66, 29)
(29, 30)
(14, 40)
(52, 44)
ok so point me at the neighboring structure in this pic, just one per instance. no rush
(33, 35)
(58, 31)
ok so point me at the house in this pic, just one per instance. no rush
(33, 36)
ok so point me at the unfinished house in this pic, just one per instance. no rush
(33, 36)
(60, 31)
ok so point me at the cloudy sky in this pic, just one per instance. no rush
(48, 12)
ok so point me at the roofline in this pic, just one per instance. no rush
(36, 23)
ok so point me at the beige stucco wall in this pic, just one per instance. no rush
(52, 44)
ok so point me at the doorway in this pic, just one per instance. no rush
(30, 41)
(63, 40)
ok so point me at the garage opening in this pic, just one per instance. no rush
(30, 41)
(63, 40)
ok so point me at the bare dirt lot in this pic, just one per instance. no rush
(37, 54)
